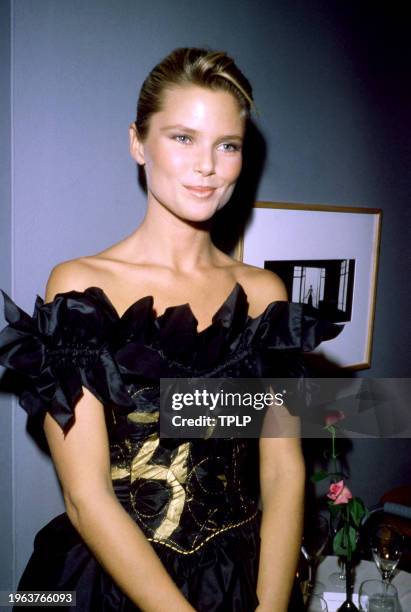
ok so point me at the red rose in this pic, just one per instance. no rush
(333, 417)
(339, 493)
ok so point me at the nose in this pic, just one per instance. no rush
(204, 162)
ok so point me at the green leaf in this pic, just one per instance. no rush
(352, 538)
(357, 510)
(339, 548)
(345, 541)
(334, 510)
(320, 475)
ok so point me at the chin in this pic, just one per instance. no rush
(201, 215)
(189, 210)
(197, 216)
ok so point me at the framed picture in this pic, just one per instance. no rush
(327, 256)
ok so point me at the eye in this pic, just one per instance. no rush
(182, 138)
(230, 147)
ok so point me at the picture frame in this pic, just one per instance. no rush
(327, 257)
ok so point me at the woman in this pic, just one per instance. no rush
(158, 524)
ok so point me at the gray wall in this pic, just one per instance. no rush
(332, 105)
(6, 413)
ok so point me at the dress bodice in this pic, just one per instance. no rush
(180, 492)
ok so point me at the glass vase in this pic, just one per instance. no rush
(348, 603)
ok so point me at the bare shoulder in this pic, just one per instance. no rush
(261, 286)
(72, 275)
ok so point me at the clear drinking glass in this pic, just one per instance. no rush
(315, 538)
(386, 547)
(337, 580)
(317, 604)
(375, 596)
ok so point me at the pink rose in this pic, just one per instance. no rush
(339, 493)
(333, 417)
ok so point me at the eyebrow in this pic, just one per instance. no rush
(184, 128)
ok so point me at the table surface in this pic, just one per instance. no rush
(367, 570)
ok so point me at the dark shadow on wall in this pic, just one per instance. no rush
(229, 223)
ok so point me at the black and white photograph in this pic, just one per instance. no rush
(328, 257)
(324, 284)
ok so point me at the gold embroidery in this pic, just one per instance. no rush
(178, 481)
(223, 479)
(139, 464)
(173, 546)
(143, 417)
(119, 472)
(119, 468)
(174, 475)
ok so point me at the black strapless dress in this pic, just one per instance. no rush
(195, 500)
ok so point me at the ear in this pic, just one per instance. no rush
(136, 145)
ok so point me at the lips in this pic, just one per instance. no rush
(200, 192)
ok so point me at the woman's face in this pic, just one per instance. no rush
(192, 152)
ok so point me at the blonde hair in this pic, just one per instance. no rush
(191, 66)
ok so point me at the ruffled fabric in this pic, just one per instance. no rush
(63, 346)
(79, 339)
(170, 346)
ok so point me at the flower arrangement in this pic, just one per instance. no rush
(346, 511)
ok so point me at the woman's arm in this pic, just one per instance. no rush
(282, 476)
(282, 479)
(82, 461)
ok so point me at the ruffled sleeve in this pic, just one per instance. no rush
(285, 333)
(65, 345)
(287, 330)
(288, 325)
